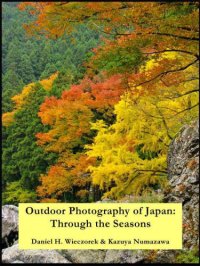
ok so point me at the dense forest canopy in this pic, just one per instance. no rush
(26, 59)
(101, 92)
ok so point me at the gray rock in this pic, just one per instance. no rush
(164, 256)
(182, 150)
(183, 170)
(9, 224)
(13, 253)
(124, 256)
(103, 256)
(183, 173)
(84, 256)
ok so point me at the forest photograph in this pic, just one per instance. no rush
(100, 103)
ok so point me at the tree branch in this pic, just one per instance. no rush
(187, 109)
(173, 50)
(181, 95)
(154, 171)
(160, 140)
(164, 122)
(167, 72)
(176, 36)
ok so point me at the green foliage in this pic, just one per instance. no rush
(147, 155)
(16, 193)
(26, 59)
(62, 82)
(188, 256)
(127, 143)
(119, 60)
(12, 83)
(23, 160)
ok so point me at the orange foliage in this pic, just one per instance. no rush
(49, 200)
(152, 27)
(56, 182)
(71, 115)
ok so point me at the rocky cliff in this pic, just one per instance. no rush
(183, 172)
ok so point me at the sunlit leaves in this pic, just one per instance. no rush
(149, 57)
(132, 152)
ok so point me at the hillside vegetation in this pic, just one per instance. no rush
(93, 96)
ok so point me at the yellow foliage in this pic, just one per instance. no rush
(20, 99)
(132, 152)
(47, 83)
(8, 118)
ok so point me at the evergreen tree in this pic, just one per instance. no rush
(23, 159)
(12, 83)
(33, 59)
(25, 70)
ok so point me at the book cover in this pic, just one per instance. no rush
(100, 152)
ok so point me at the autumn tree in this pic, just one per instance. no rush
(153, 26)
(132, 34)
(70, 120)
(153, 46)
(132, 152)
